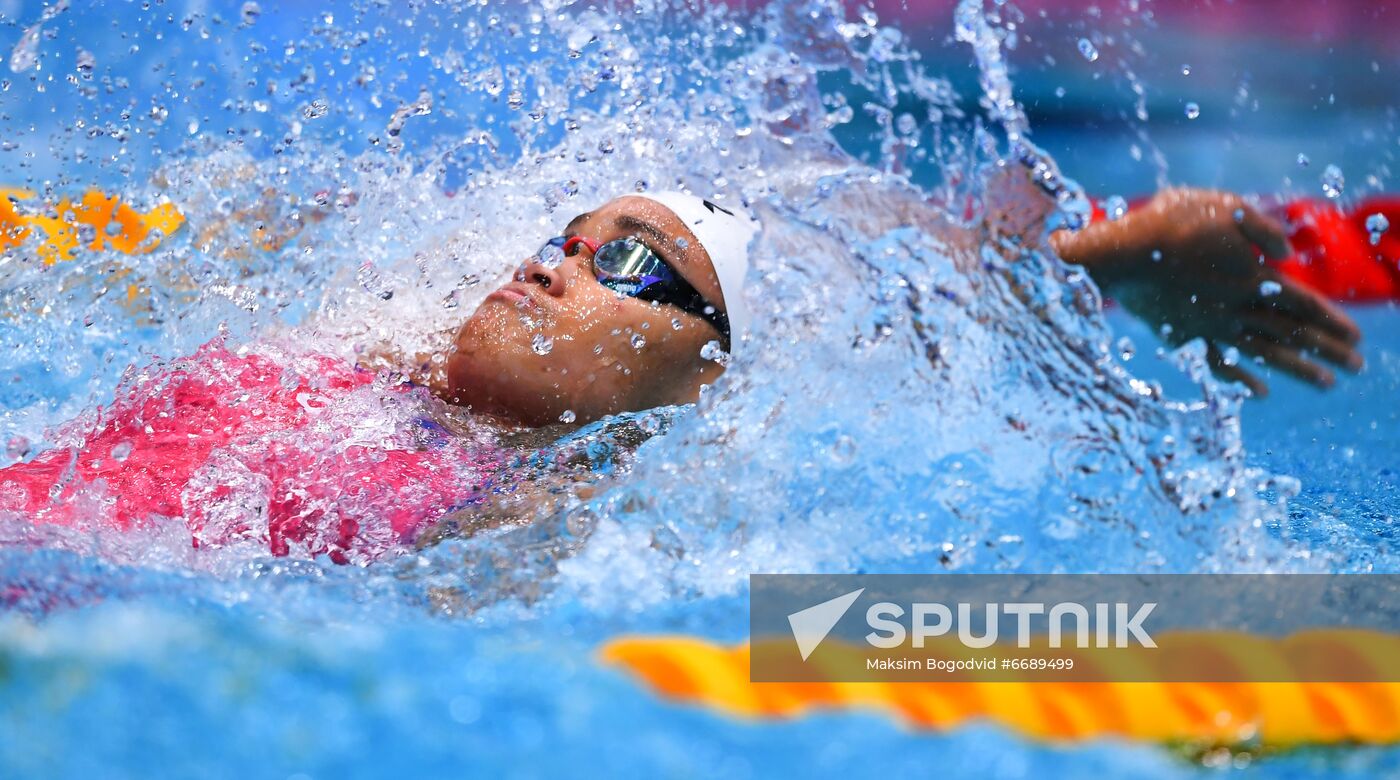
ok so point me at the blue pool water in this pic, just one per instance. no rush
(837, 444)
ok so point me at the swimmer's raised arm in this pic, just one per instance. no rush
(1189, 263)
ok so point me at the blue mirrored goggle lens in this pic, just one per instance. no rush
(552, 253)
(629, 266)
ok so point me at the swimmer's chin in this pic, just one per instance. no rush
(485, 374)
(495, 398)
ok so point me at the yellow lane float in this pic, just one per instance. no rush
(1259, 715)
(116, 225)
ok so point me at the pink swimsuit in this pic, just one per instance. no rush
(301, 455)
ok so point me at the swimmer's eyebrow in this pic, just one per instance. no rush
(571, 228)
(629, 222)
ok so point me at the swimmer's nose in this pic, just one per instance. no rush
(546, 277)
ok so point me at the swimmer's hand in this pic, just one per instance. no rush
(1191, 263)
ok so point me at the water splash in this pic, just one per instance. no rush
(26, 54)
(983, 423)
(985, 34)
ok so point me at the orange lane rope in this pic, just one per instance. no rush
(1274, 715)
(115, 225)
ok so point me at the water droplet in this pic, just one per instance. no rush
(1270, 288)
(843, 450)
(1126, 349)
(568, 416)
(17, 447)
(667, 542)
(122, 451)
(85, 63)
(1333, 182)
(1303, 160)
(1087, 49)
(515, 99)
(316, 109)
(542, 344)
(1115, 207)
(1193, 110)
(1376, 225)
(1186, 70)
(250, 12)
(682, 243)
(578, 38)
(676, 323)
(638, 341)
(26, 53)
(1156, 255)
(713, 351)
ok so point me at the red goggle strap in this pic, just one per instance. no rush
(573, 241)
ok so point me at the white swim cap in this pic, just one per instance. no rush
(725, 234)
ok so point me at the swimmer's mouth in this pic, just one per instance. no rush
(515, 292)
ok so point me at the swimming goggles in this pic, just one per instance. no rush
(631, 268)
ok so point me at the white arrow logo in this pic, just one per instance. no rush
(811, 625)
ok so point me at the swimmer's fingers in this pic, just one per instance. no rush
(1294, 333)
(1288, 359)
(1263, 231)
(1233, 373)
(1312, 308)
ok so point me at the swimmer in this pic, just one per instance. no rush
(225, 440)
(1190, 259)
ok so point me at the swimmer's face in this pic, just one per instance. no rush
(555, 340)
